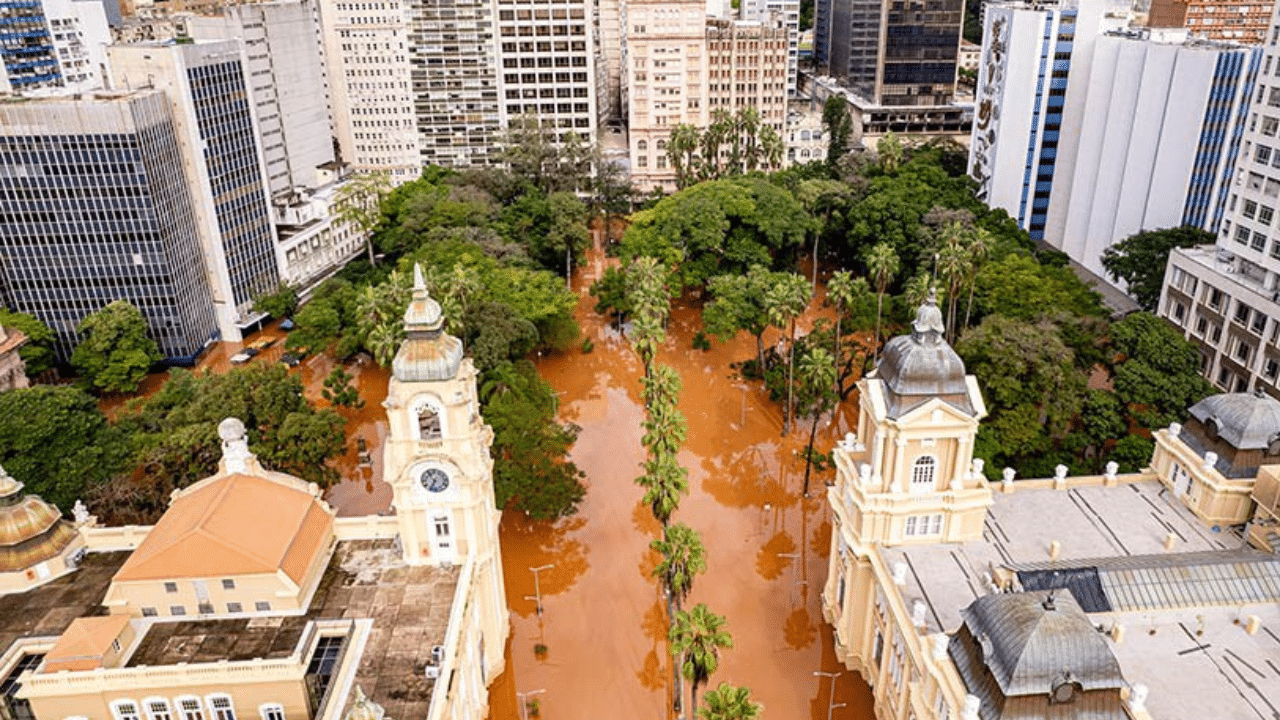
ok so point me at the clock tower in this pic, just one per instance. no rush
(437, 460)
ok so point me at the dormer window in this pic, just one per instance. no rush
(922, 474)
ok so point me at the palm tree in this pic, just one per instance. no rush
(889, 148)
(722, 126)
(683, 556)
(682, 149)
(952, 263)
(749, 127)
(772, 147)
(817, 375)
(882, 265)
(980, 245)
(728, 702)
(664, 425)
(821, 196)
(650, 304)
(664, 481)
(696, 638)
(384, 341)
(842, 291)
(784, 303)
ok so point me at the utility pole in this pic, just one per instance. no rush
(537, 589)
(831, 697)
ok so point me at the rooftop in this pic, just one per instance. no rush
(409, 607)
(1112, 540)
(50, 609)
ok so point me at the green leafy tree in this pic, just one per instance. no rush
(1018, 286)
(882, 266)
(1158, 375)
(54, 440)
(531, 471)
(339, 390)
(1139, 260)
(845, 292)
(890, 151)
(115, 352)
(610, 292)
(496, 334)
(740, 302)
(697, 637)
(568, 233)
(280, 303)
(37, 354)
(825, 197)
(359, 203)
(835, 117)
(728, 702)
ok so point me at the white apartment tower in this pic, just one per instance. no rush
(52, 45)
(1121, 132)
(789, 11)
(367, 46)
(1226, 297)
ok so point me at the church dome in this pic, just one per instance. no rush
(1245, 421)
(918, 367)
(428, 352)
(31, 530)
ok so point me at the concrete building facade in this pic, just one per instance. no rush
(1238, 21)
(212, 102)
(1048, 133)
(78, 235)
(52, 44)
(1226, 297)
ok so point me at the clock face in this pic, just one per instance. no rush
(434, 480)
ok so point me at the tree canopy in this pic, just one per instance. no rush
(115, 352)
(37, 354)
(1139, 260)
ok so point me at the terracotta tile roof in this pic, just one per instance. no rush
(84, 643)
(11, 339)
(234, 525)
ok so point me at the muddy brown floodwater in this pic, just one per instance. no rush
(604, 622)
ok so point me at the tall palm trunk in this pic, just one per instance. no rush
(760, 351)
(808, 457)
(791, 370)
(969, 307)
(693, 700)
(839, 316)
(875, 353)
(678, 682)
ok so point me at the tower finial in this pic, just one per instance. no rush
(928, 316)
(418, 282)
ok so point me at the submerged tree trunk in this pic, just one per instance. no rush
(791, 390)
(760, 352)
(875, 351)
(808, 457)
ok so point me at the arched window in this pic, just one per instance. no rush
(662, 145)
(804, 154)
(430, 422)
(642, 145)
(922, 473)
(804, 135)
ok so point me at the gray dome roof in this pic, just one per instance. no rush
(918, 367)
(1030, 643)
(1245, 421)
(428, 353)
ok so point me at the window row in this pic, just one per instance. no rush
(218, 706)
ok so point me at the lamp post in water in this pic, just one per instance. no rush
(524, 702)
(537, 589)
(832, 696)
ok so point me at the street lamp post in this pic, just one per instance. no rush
(537, 588)
(831, 697)
(524, 702)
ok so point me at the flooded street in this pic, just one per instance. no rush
(604, 623)
(603, 628)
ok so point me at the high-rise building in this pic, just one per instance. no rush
(1243, 21)
(208, 89)
(96, 206)
(548, 65)
(286, 75)
(682, 66)
(789, 11)
(367, 48)
(48, 44)
(891, 53)
(1054, 143)
(1226, 297)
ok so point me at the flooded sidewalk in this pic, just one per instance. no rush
(603, 626)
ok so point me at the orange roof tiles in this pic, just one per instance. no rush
(235, 525)
(85, 643)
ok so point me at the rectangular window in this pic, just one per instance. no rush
(1265, 214)
(125, 711)
(158, 710)
(1250, 209)
(1243, 349)
(1262, 154)
(234, 607)
(1242, 313)
(171, 587)
(228, 584)
(149, 612)
(1270, 125)
(177, 610)
(1242, 235)
(1259, 241)
(272, 712)
(1271, 368)
(1259, 323)
(222, 707)
(262, 606)
(189, 709)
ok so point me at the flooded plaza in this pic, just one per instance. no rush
(599, 647)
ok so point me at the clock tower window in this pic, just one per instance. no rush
(428, 423)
